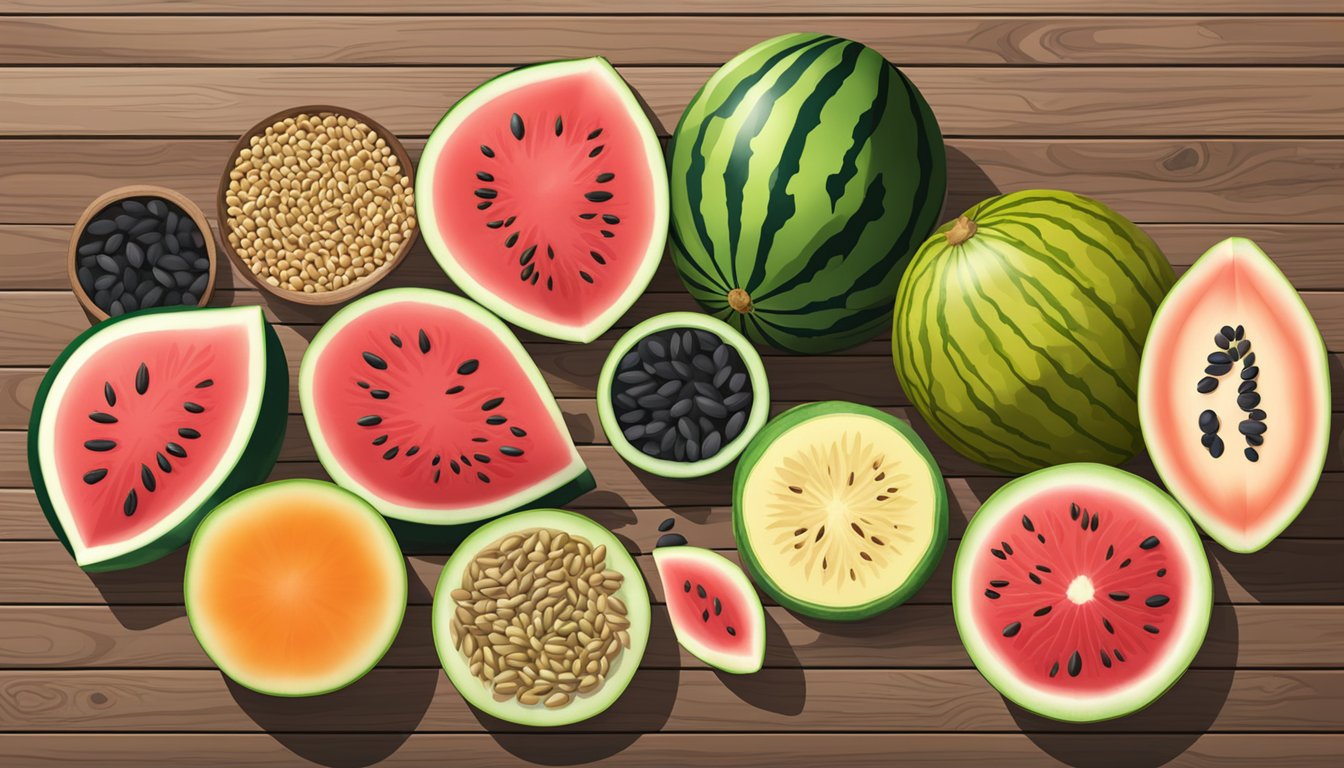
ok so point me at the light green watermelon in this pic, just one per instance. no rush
(1019, 329)
(803, 176)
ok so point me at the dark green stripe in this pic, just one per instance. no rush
(687, 260)
(863, 132)
(1119, 262)
(926, 147)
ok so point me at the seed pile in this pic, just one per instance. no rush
(682, 394)
(142, 252)
(317, 202)
(1233, 347)
(538, 618)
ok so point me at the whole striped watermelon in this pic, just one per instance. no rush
(1019, 328)
(803, 176)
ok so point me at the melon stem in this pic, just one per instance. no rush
(739, 300)
(962, 230)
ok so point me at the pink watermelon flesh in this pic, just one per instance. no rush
(194, 397)
(700, 604)
(1038, 551)
(425, 408)
(558, 221)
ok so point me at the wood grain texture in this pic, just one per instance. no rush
(625, 40)
(1228, 181)
(688, 7)
(913, 636)
(670, 701)
(969, 102)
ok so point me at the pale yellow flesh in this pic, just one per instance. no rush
(877, 525)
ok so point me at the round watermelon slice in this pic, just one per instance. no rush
(1081, 592)
(543, 195)
(428, 407)
(147, 421)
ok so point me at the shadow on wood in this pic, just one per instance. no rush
(1193, 703)
(163, 576)
(967, 184)
(781, 689)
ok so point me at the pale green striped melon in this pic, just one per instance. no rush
(1020, 344)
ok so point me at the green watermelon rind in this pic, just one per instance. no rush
(633, 592)
(902, 592)
(337, 683)
(734, 664)
(1186, 539)
(841, 241)
(1056, 358)
(756, 417)
(417, 525)
(251, 466)
(461, 275)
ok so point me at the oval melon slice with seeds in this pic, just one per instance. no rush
(839, 510)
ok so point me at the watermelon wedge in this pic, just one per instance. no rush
(147, 421)
(543, 195)
(428, 407)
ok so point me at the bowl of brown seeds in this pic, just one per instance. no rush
(138, 247)
(317, 204)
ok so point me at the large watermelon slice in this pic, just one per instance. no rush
(543, 195)
(147, 421)
(1081, 592)
(428, 407)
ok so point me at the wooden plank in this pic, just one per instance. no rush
(969, 102)
(682, 40)
(50, 181)
(923, 636)
(1288, 571)
(665, 700)
(657, 750)
(32, 256)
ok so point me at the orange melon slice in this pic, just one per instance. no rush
(295, 588)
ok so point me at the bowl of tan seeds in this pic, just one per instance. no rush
(541, 617)
(317, 204)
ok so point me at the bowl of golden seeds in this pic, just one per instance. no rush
(317, 204)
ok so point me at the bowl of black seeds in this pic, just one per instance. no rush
(139, 247)
(681, 395)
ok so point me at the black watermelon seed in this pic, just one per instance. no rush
(1251, 427)
(595, 134)
(453, 390)
(147, 477)
(516, 126)
(511, 241)
(711, 444)
(191, 407)
(103, 282)
(480, 439)
(1221, 341)
(705, 615)
(157, 207)
(484, 478)
(1075, 664)
(675, 540)
(469, 367)
(1055, 669)
(1026, 523)
(1206, 385)
(1219, 358)
(596, 150)
(495, 224)
(686, 587)
(92, 248)
(518, 431)
(1036, 579)
(1118, 655)
(597, 257)
(126, 222)
(480, 457)
(737, 401)
(1233, 354)
(390, 453)
(362, 384)
(998, 553)
(734, 426)
(375, 361)
(424, 342)
(99, 417)
(991, 594)
(395, 339)
(486, 193)
(665, 526)
(1252, 454)
(1107, 624)
(603, 178)
(164, 278)
(1256, 414)
(732, 631)
(1074, 511)
(163, 462)
(1044, 569)
(1216, 449)
(559, 126)
(1105, 659)
(142, 379)
(496, 420)
(718, 607)
(109, 394)
(369, 421)
(492, 403)
(1042, 611)
(379, 394)
(1246, 386)
(128, 506)
(1006, 548)
(998, 583)
(483, 176)
(1161, 572)
(93, 476)
(1157, 601)
(527, 254)
(488, 152)
(1125, 563)
(1110, 552)
(188, 433)
(1096, 520)
(1150, 629)
(100, 445)
(1208, 422)
(109, 265)
(437, 472)
(1218, 369)
(484, 204)
(587, 216)
(453, 465)
(1012, 629)
(102, 227)
(1228, 331)
(587, 278)
(1149, 543)
(1248, 401)
(509, 450)
(1087, 518)
(1119, 596)
(176, 450)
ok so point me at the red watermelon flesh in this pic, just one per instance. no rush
(427, 406)
(543, 196)
(714, 610)
(189, 405)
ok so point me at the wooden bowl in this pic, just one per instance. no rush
(358, 286)
(117, 195)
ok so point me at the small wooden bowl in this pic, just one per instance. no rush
(117, 195)
(358, 286)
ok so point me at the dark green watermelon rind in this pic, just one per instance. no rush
(918, 575)
(1102, 426)
(805, 302)
(255, 461)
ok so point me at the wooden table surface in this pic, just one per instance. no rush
(1199, 119)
